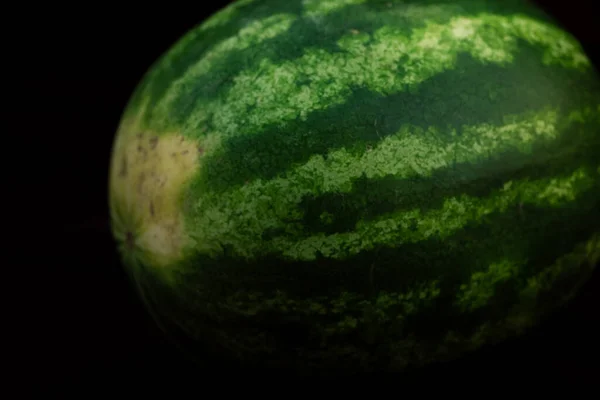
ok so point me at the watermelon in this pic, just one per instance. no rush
(360, 184)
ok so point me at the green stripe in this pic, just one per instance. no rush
(316, 8)
(584, 258)
(241, 215)
(481, 287)
(522, 232)
(480, 291)
(211, 40)
(225, 15)
(413, 153)
(386, 317)
(543, 293)
(250, 35)
(389, 63)
(370, 197)
(469, 95)
(413, 226)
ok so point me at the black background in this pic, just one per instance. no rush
(75, 70)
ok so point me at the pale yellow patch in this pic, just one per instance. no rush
(430, 40)
(462, 28)
(148, 176)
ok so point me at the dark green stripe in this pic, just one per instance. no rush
(468, 95)
(414, 326)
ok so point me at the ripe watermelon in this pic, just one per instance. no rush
(360, 183)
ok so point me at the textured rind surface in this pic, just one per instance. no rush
(366, 184)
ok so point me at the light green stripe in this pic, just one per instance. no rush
(586, 253)
(581, 261)
(252, 34)
(316, 8)
(456, 213)
(578, 264)
(481, 287)
(241, 215)
(224, 15)
(269, 93)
